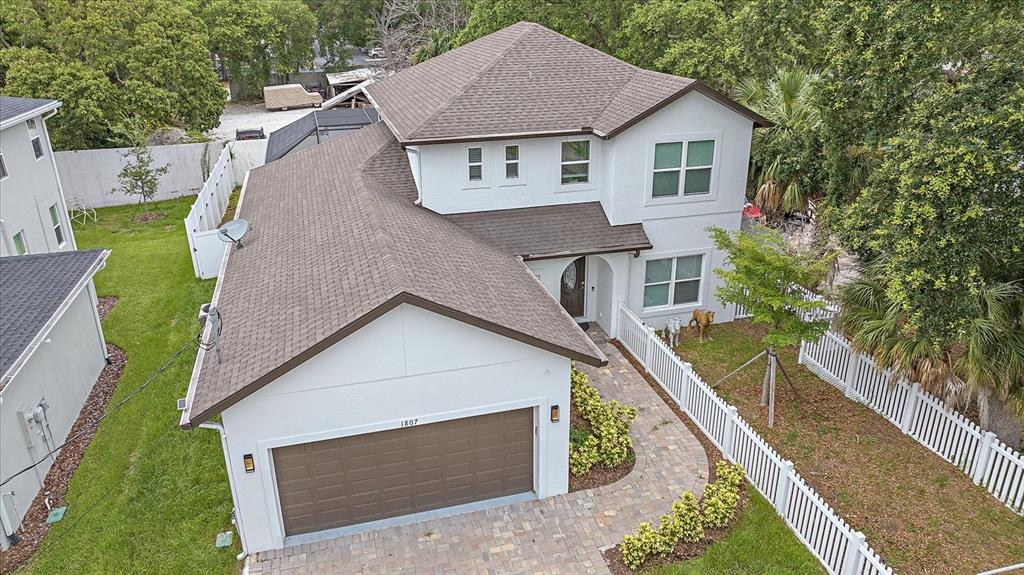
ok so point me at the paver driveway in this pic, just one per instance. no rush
(563, 534)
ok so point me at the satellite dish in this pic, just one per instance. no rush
(233, 231)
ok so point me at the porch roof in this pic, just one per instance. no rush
(553, 231)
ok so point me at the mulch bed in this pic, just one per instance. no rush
(599, 475)
(34, 526)
(683, 551)
(148, 216)
(105, 304)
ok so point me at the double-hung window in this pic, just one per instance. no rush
(58, 229)
(33, 136)
(476, 164)
(673, 281)
(682, 168)
(575, 162)
(512, 162)
(20, 247)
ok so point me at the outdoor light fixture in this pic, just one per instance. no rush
(554, 414)
(250, 466)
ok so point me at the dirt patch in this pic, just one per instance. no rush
(683, 551)
(105, 304)
(149, 216)
(34, 526)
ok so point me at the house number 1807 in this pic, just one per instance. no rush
(409, 422)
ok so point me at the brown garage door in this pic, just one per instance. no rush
(362, 478)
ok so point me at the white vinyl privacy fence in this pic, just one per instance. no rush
(840, 548)
(204, 218)
(921, 415)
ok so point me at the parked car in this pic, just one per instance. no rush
(289, 96)
(250, 134)
(317, 88)
(377, 52)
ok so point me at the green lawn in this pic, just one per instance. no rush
(759, 543)
(148, 497)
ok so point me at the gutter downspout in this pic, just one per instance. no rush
(236, 518)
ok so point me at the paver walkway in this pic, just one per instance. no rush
(562, 534)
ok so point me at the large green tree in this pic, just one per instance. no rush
(595, 22)
(342, 25)
(121, 67)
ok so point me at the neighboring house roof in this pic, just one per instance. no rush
(526, 80)
(14, 109)
(284, 140)
(336, 242)
(348, 76)
(34, 290)
(553, 231)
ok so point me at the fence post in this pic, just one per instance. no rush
(649, 347)
(910, 408)
(730, 433)
(781, 500)
(850, 377)
(617, 320)
(981, 457)
(854, 558)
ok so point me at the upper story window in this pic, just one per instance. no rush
(20, 247)
(58, 229)
(512, 162)
(3, 167)
(476, 164)
(576, 162)
(673, 281)
(33, 136)
(677, 173)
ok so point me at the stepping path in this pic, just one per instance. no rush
(562, 534)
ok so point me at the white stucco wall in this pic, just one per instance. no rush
(407, 364)
(62, 370)
(28, 191)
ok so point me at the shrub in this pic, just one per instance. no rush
(582, 452)
(722, 496)
(638, 546)
(687, 514)
(609, 421)
(731, 474)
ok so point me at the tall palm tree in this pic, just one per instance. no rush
(985, 363)
(785, 158)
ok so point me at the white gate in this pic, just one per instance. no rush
(204, 218)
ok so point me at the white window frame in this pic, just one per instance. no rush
(4, 174)
(518, 161)
(58, 225)
(24, 243)
(589, 162)
(679, 198)
(467, 182)
(701, 288)
(35, 136)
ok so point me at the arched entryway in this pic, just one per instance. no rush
(573, 288)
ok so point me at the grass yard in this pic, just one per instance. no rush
(922, 514)
(759, 543)
(148, 497)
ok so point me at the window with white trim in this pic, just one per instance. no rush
(476, 164)
(20, 247)
(677, 173)
(33, 136)
(575, 162)
(512, 162)
(673, 281)
(58, 229)
(3, 167)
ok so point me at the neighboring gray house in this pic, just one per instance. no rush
(33, 210)
(317, 127)
(51, 352)
(399, 327)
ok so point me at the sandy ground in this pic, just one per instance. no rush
(245, 116)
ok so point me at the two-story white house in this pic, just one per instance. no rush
(395, 338)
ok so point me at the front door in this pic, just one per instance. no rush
(573, 280)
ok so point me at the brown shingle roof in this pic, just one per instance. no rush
(553, 231)
(335, 243)
(526, 79)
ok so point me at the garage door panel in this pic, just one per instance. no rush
(361, 478)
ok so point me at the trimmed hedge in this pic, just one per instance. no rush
(687, 520)
(582, 452)
(609, 423)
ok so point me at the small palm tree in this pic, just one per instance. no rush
(785, 158)
(439, 43)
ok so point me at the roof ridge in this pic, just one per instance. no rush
(531, 27)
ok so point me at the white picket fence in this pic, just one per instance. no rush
(921, 415)
(204, 217)
(839, 547)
